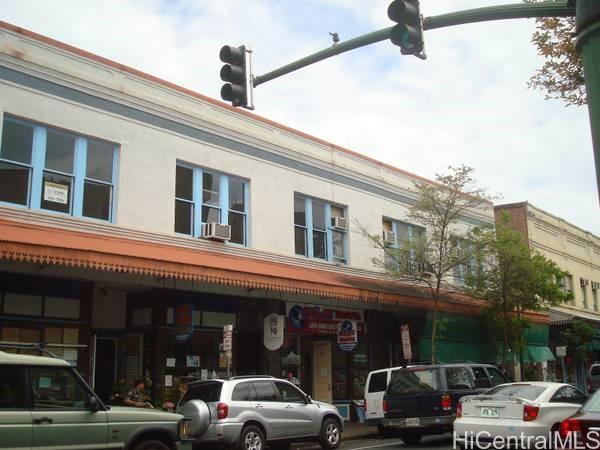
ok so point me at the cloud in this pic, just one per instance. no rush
(467, 103)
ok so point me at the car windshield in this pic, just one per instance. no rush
(524, 391)
(593, 404)
(414, 381)
(208, 392)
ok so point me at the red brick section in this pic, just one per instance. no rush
(517, 213)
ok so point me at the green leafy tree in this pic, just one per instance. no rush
(561, 74)
(449, 246)
(513, 279)
(577, 337)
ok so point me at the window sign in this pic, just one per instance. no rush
(57, 193)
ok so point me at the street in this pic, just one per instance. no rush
(442, 442)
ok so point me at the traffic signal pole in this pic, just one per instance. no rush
(588, 47)
(500, 12)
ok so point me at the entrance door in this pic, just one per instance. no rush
(322, 371)
(106, 367)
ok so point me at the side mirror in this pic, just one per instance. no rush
(93, 404)
(307, 399)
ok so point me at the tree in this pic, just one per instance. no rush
(561, 74)
(577, 336)
(438, 256)
(512, 279)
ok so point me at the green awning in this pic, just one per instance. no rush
(537, 353)
(466, 338)
(452, 351)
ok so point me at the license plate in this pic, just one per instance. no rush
(489, 412)
(412, 422)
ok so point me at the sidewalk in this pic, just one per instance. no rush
(355, 430)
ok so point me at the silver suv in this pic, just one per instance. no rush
(249, 412)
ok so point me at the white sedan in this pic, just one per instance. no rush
(519, 414)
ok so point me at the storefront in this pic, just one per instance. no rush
(326, 351)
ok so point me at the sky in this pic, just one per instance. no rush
(468, 103)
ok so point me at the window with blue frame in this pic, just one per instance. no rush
(464, 254)
(54, 170)
(396, 234)
(315, 235)
(204, 196)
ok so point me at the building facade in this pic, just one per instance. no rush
(138, 219)
(577, 252)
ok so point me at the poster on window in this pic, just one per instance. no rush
(273, 331)
(57, 193)
(347, 335)
(321, 320)
(184, 328)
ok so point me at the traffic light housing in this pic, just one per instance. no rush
(408, 34)
(235, 75)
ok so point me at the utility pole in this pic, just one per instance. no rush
(588, 47)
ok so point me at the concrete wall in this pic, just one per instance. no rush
(156, 126)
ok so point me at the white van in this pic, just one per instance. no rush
(375, 387)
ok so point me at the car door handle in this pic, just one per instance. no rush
(40, 420)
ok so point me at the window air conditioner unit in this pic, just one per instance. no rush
(389, 237)
(339, 222)
(216, 231)
(583, 282)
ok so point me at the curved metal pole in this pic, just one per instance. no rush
(500, 12)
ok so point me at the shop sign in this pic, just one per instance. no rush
(347, 336)
(405, 334)
(184, 328)
(321, 320)
(273, 331)
(561, 351)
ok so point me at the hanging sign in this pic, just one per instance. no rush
(273, 331)
(227, 338)
(184, 328)
(405, 334)
(347, 336)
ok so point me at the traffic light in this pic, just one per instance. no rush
(235, 74)
(408, 34)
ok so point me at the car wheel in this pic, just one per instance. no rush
(330, 437)
(252, 438)
(151, 444)
(411, 438)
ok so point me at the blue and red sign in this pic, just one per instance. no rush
(321, 320)
(184, 328)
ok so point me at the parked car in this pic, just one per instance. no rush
(375, 386)
(251, 412)
(582, 430)
(45, 403)
(509, 411)
(593, 378)
(421, 400)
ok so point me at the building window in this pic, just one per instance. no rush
(595, 286)
(464, 268)
(395, 235)
(44, 168)
(567, 285)
(203, 196)
(317, 233)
